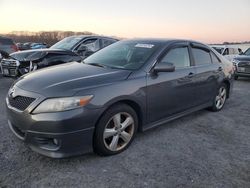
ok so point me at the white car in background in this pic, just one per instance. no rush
(228, 52)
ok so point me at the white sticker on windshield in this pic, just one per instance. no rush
(144, 45)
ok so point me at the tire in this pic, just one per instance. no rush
(220, 98)
(115, 130)
(236, 77)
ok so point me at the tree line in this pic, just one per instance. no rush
(48, 37)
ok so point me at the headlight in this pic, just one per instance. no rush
(62, 104)
(235, 62)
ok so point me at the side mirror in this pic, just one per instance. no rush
(164, 67)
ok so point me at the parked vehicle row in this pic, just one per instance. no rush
(101, 102)
(31, 45)
(242, 64)
(229, 52)
(74, 48)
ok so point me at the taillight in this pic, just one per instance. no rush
(14, 47)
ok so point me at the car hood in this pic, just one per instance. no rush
(68, 79)
(35, 55)
(242, 58)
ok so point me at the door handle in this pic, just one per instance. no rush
(190, 75)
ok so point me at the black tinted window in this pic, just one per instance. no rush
(201, 57)
(178, 56)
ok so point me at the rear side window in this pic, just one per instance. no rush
(178, 56)
(5, 41)
(201, 57)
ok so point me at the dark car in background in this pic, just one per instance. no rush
(74, 48)
(38, 46)
(100, 103)
(242, 65)
(7, 46)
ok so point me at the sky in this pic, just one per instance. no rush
(210, 21)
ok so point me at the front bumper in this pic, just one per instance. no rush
(57, 135)
(9, 67)
(242, 74)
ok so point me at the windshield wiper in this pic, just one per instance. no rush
(97, 64)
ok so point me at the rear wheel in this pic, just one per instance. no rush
(220, 98)
(116, 130)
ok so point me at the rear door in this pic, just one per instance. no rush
(208, 70)
(169, 93)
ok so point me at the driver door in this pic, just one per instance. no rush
(169, 93)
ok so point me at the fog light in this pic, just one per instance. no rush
(55, 141)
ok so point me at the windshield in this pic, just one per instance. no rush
(129, 55)
(67, 43)
(219, 50)
(247, 52)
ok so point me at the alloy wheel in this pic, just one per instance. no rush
(118, 131)
(221, 98)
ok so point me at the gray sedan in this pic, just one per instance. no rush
(101, 103)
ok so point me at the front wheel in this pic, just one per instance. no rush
(220, 98)
(116, 130)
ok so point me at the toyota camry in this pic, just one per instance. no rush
(101, 103)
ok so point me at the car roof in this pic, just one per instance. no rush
(93, 36)
(162, 40)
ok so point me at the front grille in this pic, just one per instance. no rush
(10, 67)
(10, 62)
(244, 66)
(20, 102)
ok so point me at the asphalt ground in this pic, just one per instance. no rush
(203, 149)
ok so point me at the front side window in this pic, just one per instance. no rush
(91, 45)
(179, 57)
(129, 55)
(201, 57)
